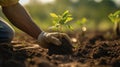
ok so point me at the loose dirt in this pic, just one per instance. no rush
(90, 50)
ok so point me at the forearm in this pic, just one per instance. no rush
(20, 18)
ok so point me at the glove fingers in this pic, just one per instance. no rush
(55, 34)
(66, 37)
(55, 41)
(54, 38)
(63, 35)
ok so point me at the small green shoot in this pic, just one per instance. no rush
(82, 23)
(115, 18)
(61, 21)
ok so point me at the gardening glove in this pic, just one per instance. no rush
(44, 39)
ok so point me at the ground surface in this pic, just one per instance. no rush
(90, 50)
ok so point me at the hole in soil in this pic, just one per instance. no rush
(65, 49)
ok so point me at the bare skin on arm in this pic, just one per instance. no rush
(21, 19)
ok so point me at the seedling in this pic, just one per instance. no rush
(82, 25)
(115, 18)
(61, 21)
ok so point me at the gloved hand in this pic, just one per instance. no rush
(44, 39)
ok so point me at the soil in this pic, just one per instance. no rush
(93, 49)
(65, 49)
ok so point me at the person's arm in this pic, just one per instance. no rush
(20, 18)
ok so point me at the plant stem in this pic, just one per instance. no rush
(118, 29)
(60, 29)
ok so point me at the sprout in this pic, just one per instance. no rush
(61, 20)
(82, 23)
(115, 18)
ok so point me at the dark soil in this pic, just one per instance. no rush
(65, 49)
(93, 50)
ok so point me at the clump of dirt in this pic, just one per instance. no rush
(105, 48)
(6, 51)
(65, 49)
(39, 62)
(13, 63)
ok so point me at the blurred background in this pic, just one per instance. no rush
(95, 11)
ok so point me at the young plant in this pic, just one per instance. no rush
(61, 21)
(82, 22)
(115, 18)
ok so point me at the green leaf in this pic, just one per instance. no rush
(65, 14)
(69, 27)
(117, 13)
(68, 19)
(84, 20)
(112, 17)
(54, 22)
(81, 21)
(115, 17)
(57, 25)
(62, 22)
(53, 15)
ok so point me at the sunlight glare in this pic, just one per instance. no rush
(98, 1)
(24, 2)
(117, 2)
(46, 1)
